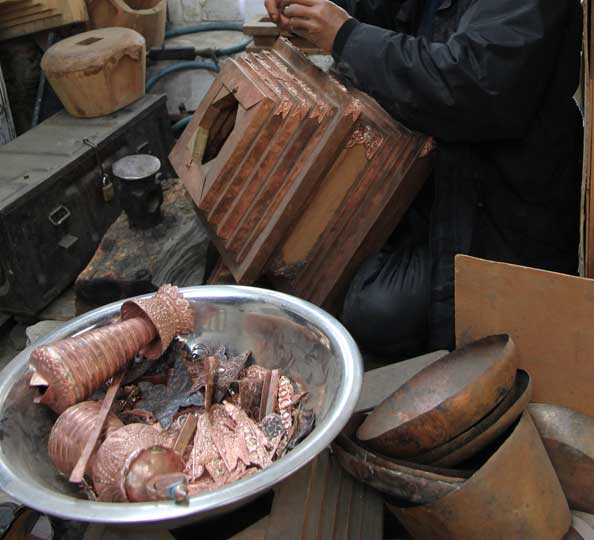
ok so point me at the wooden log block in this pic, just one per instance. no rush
(132, 261)
(97, 73)
(147, 17)
(295, 176)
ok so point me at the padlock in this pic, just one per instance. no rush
(107, 188)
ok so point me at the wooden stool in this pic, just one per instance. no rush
(98, 72)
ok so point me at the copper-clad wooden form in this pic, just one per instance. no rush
(514, 495)
(71, 431)
(70, 370)
(443, 400)
(280, 158)
(479, 436)
(568, 437)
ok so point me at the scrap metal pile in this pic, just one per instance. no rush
(174, 422)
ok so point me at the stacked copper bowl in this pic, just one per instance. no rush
(456, 453)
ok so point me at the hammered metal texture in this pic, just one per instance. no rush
(170, 313)
(75, 367)
(71, 431)
(115, 454)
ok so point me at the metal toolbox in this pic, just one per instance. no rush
(52, 210)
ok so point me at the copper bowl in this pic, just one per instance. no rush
(443, 400)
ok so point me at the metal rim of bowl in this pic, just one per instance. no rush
(67, 507)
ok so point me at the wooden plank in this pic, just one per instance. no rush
(7, 131)
(549, 316)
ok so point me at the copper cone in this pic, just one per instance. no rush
(71, 431)
(115, 456)
(70, 370)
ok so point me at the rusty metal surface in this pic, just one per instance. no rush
(401, 480)
(514, 495)
(568, 437)
(443, 400)
(480, 435)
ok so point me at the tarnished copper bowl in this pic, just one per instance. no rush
(443, 400)
(281, 332)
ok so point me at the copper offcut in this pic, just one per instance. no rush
(70, 370)
(443, 400)
(568, 437)
(116, 454)
(71, 431)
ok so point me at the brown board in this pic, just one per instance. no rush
(550, 317)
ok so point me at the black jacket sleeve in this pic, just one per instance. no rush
(486, 82)
(376, 12)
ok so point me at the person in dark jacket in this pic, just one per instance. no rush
(493, 81)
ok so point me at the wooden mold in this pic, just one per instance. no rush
(98, 72)
(295, 176)
(147, 17)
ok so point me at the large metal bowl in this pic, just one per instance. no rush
(280, 330)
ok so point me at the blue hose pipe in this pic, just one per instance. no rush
(205, 27)
(181, 124)
(181, 66)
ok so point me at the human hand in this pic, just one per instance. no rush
(274, 9)
(316, 20)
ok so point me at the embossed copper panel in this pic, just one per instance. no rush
(308, 162)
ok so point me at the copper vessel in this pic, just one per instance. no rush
(115, 456)
(479, 436)
(514, 495)
(154, 474)
(71, 431)
(443, 400)
(400, 480)
(70, 370)
(568, 437)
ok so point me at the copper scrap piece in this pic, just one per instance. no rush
(302, 426)
(285, 402)
(112, 459)
(186, 433)
(145, 469)
(70, 370)
(204, 455)
(515, 494)
(479, 436)
(250, 395)
(168, 486)
(269, 399)
(170, 313)
(255, 440)
(211, 365)
(568, 437)
(227, 372)
(71, 431)
(227, 438)
(81, 465)
(443, 400)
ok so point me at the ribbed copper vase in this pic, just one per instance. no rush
(71, 432)
(70, 370)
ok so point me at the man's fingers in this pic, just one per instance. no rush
(297, 10)
(300, 25)
(310, 3)
(273, 9)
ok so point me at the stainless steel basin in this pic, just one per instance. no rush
(280, 330)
